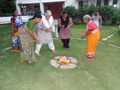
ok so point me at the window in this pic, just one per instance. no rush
(83, 3)
(98, 2)
(106, 2)
(115, 2)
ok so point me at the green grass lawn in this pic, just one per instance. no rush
(101, 74)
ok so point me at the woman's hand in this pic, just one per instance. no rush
(62, 26)
(82, 32)
(67, 27)
(37, 40)
(48, 30)
(83, 36)
(13, 34)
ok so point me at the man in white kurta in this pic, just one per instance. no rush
(45, 26)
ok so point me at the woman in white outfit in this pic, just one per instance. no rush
(97, 19)
(45, 26)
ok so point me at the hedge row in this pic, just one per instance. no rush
(107, 12)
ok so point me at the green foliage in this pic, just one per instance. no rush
(107, 12)
(20, 4)
(92, 9)
(86, 10)
(71, 11)
(116, 16)
(37, 11)
(6, 7)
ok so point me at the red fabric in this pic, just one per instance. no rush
(13, 19)
(92, 25)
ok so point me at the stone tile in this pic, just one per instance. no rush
(68, 66)
(57, 57)
(54, 63)
(73, 60)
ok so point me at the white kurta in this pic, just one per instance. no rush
(45, 37)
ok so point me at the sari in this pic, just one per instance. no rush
(27, 42)
(92, 38)
(15, 39)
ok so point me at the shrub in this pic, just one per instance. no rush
(116, 16)
(20, 4)
(37, 11)
(92, 9)
(107, 12)
(86, 10)
(71, 11)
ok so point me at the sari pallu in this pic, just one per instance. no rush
(27, 45)
(92, 41)
(15, 39)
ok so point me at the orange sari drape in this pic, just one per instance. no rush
(92, 41)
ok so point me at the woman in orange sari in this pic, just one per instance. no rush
(93, 34)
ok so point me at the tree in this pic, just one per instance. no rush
(7, 6)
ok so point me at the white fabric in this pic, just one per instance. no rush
(56, 31)
(18, 21)
(49, 23)
(97, 22)
(38, 47)
(5, 20)
(45, 37)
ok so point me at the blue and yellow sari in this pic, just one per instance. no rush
(15, 39)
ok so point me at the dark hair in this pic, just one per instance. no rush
(98, 11)
(36, 16)
(14, 11)
(65, 12)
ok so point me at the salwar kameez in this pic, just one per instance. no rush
(64, 33)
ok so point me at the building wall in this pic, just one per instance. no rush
(27, 1)
(92, 2)
(74, 3)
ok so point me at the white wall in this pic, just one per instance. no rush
(92, 2)
(27, 1)
(111, 2)
(118, 4)
(74, 3)
(5, 20)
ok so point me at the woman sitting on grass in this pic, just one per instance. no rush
(93, 34)
(26, 35)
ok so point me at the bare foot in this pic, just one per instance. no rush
(54, 51)
(37, 54)
(22, 61)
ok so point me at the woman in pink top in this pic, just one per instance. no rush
(93, 34)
